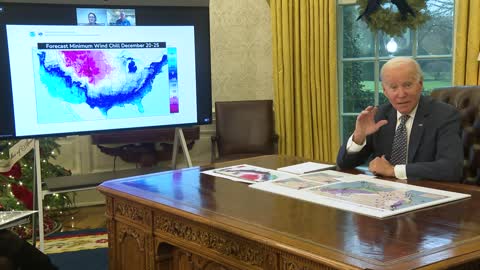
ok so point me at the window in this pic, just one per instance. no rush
(362, 54)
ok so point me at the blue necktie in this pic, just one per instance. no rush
(400, 146)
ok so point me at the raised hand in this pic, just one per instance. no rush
(365, 124)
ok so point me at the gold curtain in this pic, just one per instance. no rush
(467, 43)
(305, 77)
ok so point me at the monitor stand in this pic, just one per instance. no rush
(180, 138)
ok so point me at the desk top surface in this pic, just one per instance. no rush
(448, 232)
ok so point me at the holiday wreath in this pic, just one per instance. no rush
(393, 17)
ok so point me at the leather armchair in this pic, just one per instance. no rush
(467, 100)
(243, 129)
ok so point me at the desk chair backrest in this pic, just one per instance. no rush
(243, 129)
(467, 100)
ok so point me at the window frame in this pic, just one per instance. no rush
(376, 59)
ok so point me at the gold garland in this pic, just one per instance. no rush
(390, 22)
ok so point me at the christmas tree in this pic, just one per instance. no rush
(16, 185)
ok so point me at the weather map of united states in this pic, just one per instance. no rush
(376, 195)
(102, 79)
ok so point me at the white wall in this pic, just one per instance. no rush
(241, 41)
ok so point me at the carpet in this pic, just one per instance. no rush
(78, 250)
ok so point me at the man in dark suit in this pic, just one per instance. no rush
(429, 133)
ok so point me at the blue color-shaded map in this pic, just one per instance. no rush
(82, 85)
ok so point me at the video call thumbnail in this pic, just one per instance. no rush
(105, 17)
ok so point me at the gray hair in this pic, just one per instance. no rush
(396, 61)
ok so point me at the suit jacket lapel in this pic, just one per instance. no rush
(390, 131)
(417, 128)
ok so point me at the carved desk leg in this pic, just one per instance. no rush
(130, 235)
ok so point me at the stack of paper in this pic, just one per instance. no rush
(306, 167)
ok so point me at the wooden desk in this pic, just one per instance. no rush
(187, 220)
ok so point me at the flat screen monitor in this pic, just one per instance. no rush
(82, 68)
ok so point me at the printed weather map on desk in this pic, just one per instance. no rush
(247, 173)
(368, 196)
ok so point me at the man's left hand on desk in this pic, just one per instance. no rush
(381, 166)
